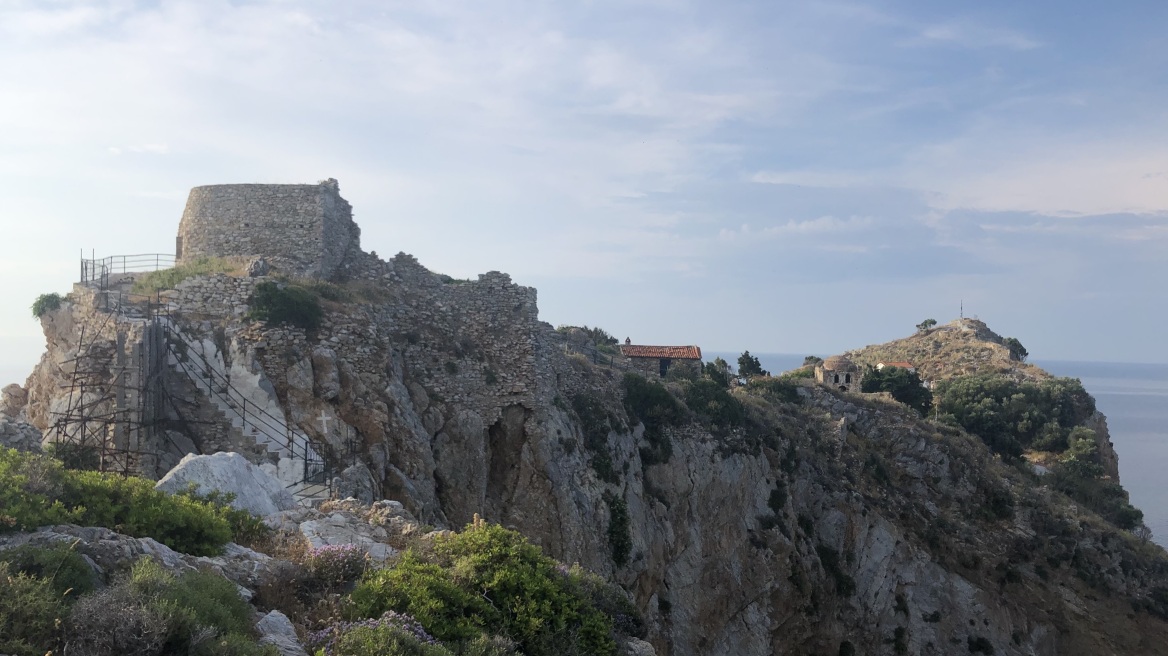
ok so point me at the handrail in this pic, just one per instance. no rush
(315, 466)
(98, 270)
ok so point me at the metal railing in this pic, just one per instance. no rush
(315, 469)
(96, 271)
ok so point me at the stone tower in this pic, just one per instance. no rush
(304, 229)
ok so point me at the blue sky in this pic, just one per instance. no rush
(777, 176)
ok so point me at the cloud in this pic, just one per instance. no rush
(817, 226)
(968, 34)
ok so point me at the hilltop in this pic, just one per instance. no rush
(960, 347)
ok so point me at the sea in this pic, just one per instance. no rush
(1135, 399)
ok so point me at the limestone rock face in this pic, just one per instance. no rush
(255, 490)
(19, 435)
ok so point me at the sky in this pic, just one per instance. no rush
(785, 177)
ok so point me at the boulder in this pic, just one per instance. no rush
(357, 482)
(255, 490)
(277, 630)
(19, 435)
(13, 398)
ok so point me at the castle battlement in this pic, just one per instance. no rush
(304, 229)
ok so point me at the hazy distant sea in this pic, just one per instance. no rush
(1135, 399)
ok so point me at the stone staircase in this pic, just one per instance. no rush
(255, 419)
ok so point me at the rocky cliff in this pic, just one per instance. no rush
(778, 518)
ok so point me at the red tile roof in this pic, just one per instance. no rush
(672, 352)
(902, 365)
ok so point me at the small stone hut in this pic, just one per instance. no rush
(658, 360)
(839, 372)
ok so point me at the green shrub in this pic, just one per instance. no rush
(904, 386)
(775, 390)
(1011, 416)
(488, 579)
(778, 498)
(45, 303)
(246, 529)
(596, 422)
(428, 593)
(156, 612)
(618, 529)
(651, 404)
(154, 281)
(36, 490)
(64, 569)
(709, 400)
(285, 303)
(30, 612)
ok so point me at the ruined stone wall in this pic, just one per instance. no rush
(216, 295)
(301, 229)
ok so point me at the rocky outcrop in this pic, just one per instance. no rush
(380, 529)
(254, 490)
(13, 399)
(111, 554)
(19, 435)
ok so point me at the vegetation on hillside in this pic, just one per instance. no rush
(1047, 415)
(904, 386)
(488, 581)
(37, 490)
(45, 303)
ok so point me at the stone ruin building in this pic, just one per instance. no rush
(839, 372)
(301, 229)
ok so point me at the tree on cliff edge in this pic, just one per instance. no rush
(748, 366)
(1017, 351)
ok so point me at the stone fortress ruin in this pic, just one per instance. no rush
(302, 229)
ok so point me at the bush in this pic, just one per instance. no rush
(62, 567)
(196, 613)
(710, 400)
(1010, 416)
(286, 303)
(29, 614)
(776, 390)
(596, 422)
(155, 612)
(651, 404)
(488, 579)
(116, 620)
(618, 529)
(330, 566)
(45, 303)
(36, 490)
(904, 386)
